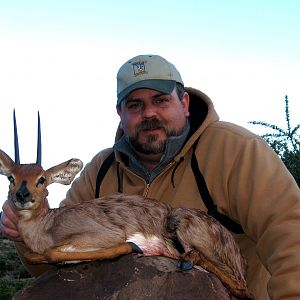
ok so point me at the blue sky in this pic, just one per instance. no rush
(61, 58)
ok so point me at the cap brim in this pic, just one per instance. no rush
(164, 86)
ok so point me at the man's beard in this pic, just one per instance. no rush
(150, 147)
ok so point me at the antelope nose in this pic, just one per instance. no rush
(22, 193)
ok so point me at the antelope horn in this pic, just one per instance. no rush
(39, 143)
(16, 141)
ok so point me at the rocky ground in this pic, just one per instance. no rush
(13, 276)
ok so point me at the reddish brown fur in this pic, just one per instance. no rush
(102, 228)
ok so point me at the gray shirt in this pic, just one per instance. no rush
(173, 146)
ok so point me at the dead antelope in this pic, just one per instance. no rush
(108, 227)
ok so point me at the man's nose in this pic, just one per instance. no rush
(149, 111)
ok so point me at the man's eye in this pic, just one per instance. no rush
(134, 105)
(161, 100)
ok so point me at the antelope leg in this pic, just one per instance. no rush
(61, 253)
(236, 286)
(34, 258)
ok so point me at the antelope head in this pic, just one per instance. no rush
(28, 182)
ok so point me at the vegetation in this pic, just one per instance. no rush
(13, 276)
(285, 142)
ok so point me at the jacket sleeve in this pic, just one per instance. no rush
(265, 198)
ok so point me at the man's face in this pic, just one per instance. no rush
(149, 117)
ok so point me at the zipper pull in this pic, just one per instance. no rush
(147, 189)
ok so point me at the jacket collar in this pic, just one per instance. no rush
(173, 146)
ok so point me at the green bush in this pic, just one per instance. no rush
(285, 142)
(8, 287)
(13, 275)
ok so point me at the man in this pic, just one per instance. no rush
(163, 128)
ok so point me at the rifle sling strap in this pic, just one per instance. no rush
(202, 187)
(207, 199)
(102, 172)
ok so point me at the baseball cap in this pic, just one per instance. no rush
(146, 71)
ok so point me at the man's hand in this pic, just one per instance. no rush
(9, 221)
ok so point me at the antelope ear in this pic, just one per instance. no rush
(6, 164)
(65, 172)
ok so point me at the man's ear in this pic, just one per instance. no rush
(118, 110)
(186, 103)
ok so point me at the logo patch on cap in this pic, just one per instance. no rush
(139, 68)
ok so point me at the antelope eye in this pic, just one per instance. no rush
(11, 179)
(41, 180)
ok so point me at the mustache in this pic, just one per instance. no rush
(150, 124)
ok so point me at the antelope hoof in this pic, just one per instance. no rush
(135, 248)
(184, 265)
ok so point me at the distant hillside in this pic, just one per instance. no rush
(13, 276)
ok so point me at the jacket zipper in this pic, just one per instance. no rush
(147, 183)
(147, 189)
(148, 180)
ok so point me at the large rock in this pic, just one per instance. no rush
(128, 277)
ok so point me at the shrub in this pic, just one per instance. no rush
(285, 142)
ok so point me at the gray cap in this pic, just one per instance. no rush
(146, 71)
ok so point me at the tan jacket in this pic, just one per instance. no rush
(247, 181)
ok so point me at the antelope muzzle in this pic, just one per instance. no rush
(23, 194)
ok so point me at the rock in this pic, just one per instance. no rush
(128, 277)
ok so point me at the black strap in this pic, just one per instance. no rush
(202, 187)
(208, 201)
(102, 171)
